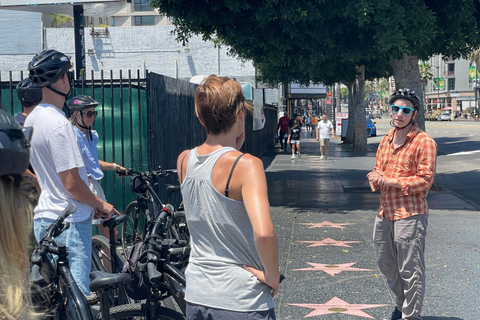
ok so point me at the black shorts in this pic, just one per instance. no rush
(199, 312)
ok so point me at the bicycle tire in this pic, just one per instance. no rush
(179, 230)
(133, 229)
(101, 247)
(179, 226)
(137, 311)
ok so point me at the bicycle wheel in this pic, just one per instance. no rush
(101, 249)
(136, 311)
(179, 228)
(133, 229)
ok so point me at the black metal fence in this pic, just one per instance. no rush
(121, 123)
(174, 127)
(144, 123)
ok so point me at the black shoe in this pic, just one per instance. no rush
(396, 315)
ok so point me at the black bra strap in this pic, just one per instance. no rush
(181, 167)
(231, 173)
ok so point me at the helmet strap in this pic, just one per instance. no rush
(58, 92)
(89, 129)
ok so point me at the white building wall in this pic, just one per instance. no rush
(153, 48)
(20, 40)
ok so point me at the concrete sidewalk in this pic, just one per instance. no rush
(324, 211)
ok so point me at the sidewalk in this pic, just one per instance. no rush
(324, 211)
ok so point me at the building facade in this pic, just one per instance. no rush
(452, 85)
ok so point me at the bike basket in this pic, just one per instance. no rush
(135, 265)
(138, 185)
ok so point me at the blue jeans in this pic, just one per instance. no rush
(78, 239)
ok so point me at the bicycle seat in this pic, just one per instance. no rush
(115, 220)
(172, 188)
(104, 280)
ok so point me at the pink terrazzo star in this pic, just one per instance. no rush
(333, 269)
(327, 224)
(329, 242)
(337, 305)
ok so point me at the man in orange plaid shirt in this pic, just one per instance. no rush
(404, 172)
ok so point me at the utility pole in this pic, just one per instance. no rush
(79, 37)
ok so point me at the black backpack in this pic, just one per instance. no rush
(136, 265)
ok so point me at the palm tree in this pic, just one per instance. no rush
(426, 73)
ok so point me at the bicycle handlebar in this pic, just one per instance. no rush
(54, 229)
(149, 174)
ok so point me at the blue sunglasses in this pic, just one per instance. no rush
(405, 110)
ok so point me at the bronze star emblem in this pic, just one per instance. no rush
(333, 269)
(329, 242)
(337, 305)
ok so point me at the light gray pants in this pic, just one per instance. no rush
(399, 248)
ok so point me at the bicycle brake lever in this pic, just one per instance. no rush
(66, 226)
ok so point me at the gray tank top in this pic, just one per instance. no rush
(222, 242)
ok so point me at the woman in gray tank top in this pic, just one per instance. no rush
(233, 268)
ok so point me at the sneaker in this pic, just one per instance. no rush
(299, 155)
(396, 315)
(92, 298)
(321, 157)
(293, 157)
(326, 158)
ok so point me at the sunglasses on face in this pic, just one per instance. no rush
(89, 114)
(405, 110)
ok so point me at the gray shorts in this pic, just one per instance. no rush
(198, 312)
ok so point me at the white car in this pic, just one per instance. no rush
(444, 116)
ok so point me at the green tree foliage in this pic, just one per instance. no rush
(426, 73)
(59, 19)
(333, 41)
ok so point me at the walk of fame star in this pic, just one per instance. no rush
(327, 224)
(337, 305)
(333, 269)
(329, 242)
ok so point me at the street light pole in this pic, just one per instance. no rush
(438, 86)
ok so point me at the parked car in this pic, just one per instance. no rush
(444, 116)
(371, 128)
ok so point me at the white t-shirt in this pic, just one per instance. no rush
(325, 129)
(54, 149)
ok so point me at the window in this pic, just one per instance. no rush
(145, 21)
(113, 21)
(451, 84)
(142, 5)
(451, 69)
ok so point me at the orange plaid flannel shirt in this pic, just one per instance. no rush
(414, 165)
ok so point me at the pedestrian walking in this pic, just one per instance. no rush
(404, 172)
(313, 124)
(283, 133)
(234, 245)
(307, 123)
(294, 138)
(325, 132)
(59, 166)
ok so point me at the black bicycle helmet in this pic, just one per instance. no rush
(80, 103)
(406, 94)
(14, 152)
(47, 67)
(28, 94)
